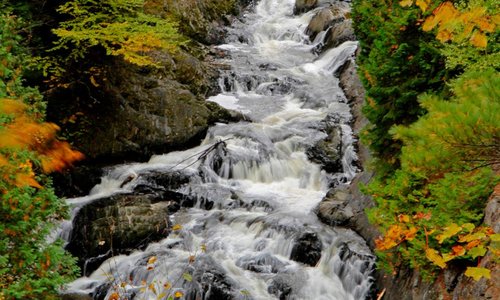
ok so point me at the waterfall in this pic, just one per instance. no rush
(260, 238)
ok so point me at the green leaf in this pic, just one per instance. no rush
(495, 237)
(468, 227)
(448, 232)
(477, 251)
(187, 277)
(478, 273)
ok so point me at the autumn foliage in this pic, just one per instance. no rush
(31, 265)
(442, 162)
(25, 133)
(451, 24)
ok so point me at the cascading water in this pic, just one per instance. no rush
(258, 177)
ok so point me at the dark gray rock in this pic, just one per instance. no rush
(307, 249)
(301, 6)
(119, 224)
(210, 281)
(335, 209)
(281, 286)
(328, 152)
(262, 263)
(339, 33)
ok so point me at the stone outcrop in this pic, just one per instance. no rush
(339, 33)
(115, 112)
(118, 224)
(333, 13)
(328, 152)
(210, 281)
(307, 249)
(302, 6)
(123, 222)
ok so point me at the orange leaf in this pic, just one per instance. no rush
(458, 250)
(479, 39)
(472, 244)
(24, 179)
(114, 296)
(410, 233)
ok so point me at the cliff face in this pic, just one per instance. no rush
(121, 112)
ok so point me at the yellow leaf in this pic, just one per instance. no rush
(404, 218)
(178, 294)
(444, 35)
(152, 260)
(478, 39)
(495, 237)
(15, 107)
(445, 12)
(93, 81)
(405, 3)
(471, 237)
(447, 257)
(448, 232)
(177, 227)
(152, 288)
(435, 258)
(478, 273)
(423, 4)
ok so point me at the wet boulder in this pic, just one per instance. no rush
(335, 210)
(262, 263)
(119, 224)
(281, 286)
(339, 33)
(210, 281)
(302, 6)
(328, 152)
(307, 249)
(323, 19)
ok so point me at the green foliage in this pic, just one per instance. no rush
(31, 267)
(461, 134)
(398, 61)
(447, 170)
(119, 26)
(13, 61)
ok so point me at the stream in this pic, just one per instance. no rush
(259, 237)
